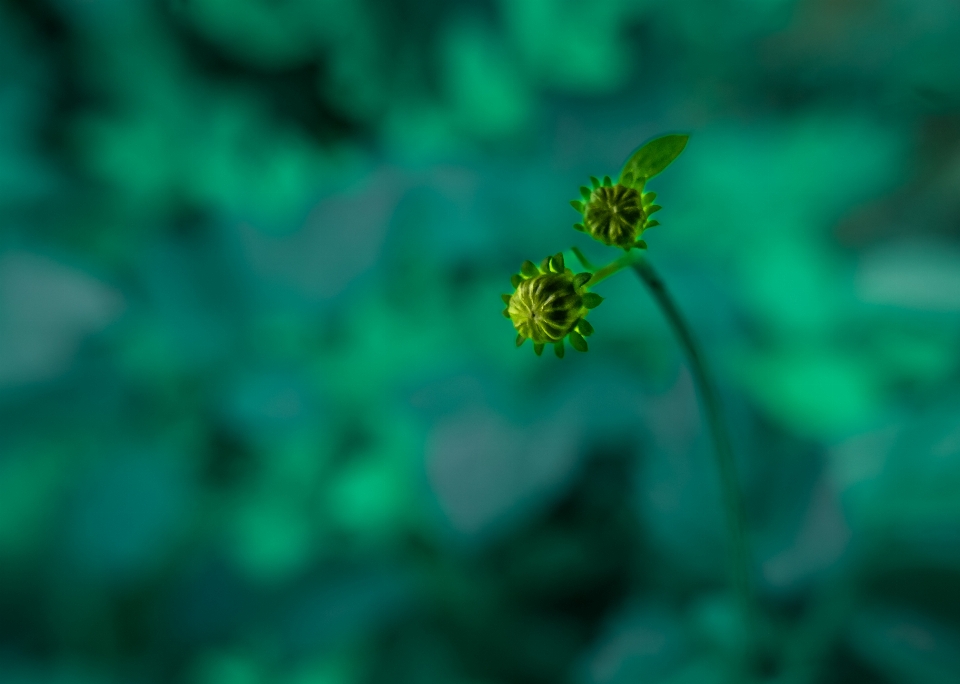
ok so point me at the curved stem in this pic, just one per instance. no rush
(604, 272)
(732, 496)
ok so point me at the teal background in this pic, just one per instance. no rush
(261, 419)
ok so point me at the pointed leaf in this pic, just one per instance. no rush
(577, 342)
(584, 327)
(577, 204)
(520, 339)
(594, 182)
(653, 208)
(506, 298)
(651, 224)
(538, 348)
(545, 265)
(585, 192)
(557, 262)
(558, 349)
(581, 279)
(516, 279)
(506, 313)
(579, 227)
(648, 198)
(592, 300)
(607, 182)
(641, 244)
(529, 269)
(653, 157)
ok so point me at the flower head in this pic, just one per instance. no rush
(616, 214)
(549, 304)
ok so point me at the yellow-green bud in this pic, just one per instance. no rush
(615, 214)
(549, 305)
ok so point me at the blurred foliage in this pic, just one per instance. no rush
(262, 420)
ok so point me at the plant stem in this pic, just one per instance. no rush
(603, 273)
(726, 465)
(732, 496)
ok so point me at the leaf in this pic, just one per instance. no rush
(558, 349)
(653, 157)
(584, 327)
(506, 298)
(529, 269)
(577, 342)
(538, 348)
(580, 280)
(592, 300)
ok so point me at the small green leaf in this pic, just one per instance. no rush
(648, 198)
(594, 182)
(607, 182)
(529, 269)
(577, 342)
(592, 300)
(654, 156)
(585, 192)
(516, 279)
(627, 179)
(581, 279)
(651, 224)
(577, 204)
(584, 327)
(538, 348)
(653, 208)
(558, 349)
(506, 298)
(641, 244)
(506, 313)
(557, 262)
(579, 227)
(545, 265)
(520, 339)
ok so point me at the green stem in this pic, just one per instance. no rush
(710, 400)
(732, 497)
(603, 273)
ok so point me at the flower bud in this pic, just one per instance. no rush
(549, 305)
(614, 214)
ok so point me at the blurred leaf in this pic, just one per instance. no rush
(653, 157)
(908, 648)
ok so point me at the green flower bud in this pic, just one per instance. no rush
(549, 305)
(615, 214)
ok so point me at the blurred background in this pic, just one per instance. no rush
(261, 419)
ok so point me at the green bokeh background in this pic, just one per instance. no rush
(261, 419)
